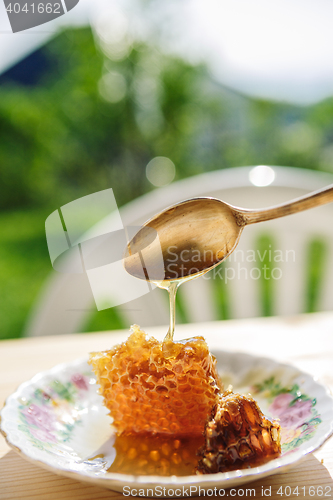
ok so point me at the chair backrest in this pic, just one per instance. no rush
(280, 267)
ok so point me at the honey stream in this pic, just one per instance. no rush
(172, 286)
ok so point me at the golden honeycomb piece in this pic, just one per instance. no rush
(238, 435)
(158, 387)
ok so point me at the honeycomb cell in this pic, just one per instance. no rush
(163, 422)
(166, 449)
(177, 444)
(170, 384)
(158, 381)
(165, 465)
(154, 455)
(176, 459)
(132, 453)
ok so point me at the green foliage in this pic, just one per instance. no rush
(62, 139)
(182, 314)
(221, 292)
(265, 248)
(24, 266)
(317, 253)
(108, 319)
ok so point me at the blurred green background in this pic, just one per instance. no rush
(85, 122)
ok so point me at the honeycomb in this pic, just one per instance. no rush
(158, 387)
(237, 435)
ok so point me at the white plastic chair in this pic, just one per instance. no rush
(66, 301)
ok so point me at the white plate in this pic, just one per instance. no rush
(58, 421)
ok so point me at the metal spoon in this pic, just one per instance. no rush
(197, 234)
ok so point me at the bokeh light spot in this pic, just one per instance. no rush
(262, 175)
(112, 87)
(160, 171)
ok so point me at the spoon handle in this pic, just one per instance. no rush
(320, 197)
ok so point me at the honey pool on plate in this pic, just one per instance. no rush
(163, 455)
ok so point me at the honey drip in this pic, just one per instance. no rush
(172, 287)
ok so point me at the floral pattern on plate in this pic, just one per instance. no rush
(296, 412)
(50, 414)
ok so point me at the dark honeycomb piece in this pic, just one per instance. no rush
(238, 435)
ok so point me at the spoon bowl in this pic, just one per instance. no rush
(190, 238)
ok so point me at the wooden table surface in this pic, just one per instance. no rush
(305, 341)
